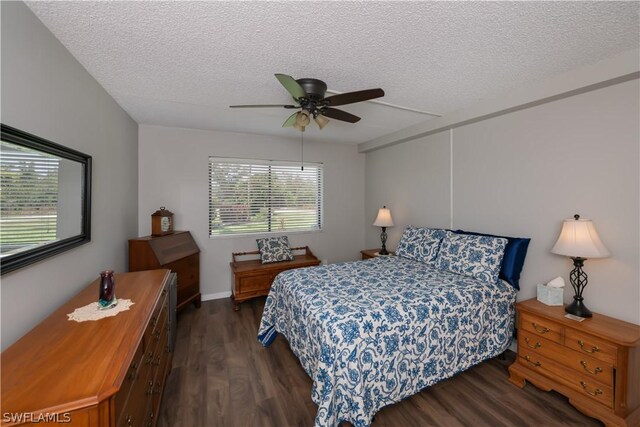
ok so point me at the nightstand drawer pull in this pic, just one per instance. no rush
(594, 348)
(595, 392)
(536, 345)
(594, 372)
(536, 364)
(539, 328)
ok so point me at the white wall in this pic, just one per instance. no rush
(173, 172)
(45, 91)
(521, 174)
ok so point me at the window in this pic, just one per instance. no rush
(257, 196)
(28, 198)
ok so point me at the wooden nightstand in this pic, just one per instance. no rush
(372, 253)
(595, 363)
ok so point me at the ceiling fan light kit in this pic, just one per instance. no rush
(309, 94)
(321, 121)
(302, 118)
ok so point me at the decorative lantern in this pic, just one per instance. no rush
(161, 222)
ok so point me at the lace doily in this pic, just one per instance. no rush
(94, 312)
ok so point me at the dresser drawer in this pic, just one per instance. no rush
(594, 347)
(583, 384)
(130, 379)
(134, 410)
(588, 366)
(542, 327)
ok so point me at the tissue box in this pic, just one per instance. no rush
(550, 296)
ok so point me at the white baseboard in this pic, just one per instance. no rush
(219, 295)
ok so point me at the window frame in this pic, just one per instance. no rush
(268, 162)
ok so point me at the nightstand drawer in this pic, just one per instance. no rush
(589, 367)
(587, 344)
(574, 379)
(541, 327)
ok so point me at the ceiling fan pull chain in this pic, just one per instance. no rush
(302, 151)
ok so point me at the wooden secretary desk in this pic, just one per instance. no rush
(176, 251)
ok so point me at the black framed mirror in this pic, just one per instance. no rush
(45, 199)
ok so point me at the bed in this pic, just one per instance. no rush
(371, 333)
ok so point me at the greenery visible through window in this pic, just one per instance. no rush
(28, 197)
(255, 196)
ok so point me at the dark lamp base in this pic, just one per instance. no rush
(383, 251)
(577, 308)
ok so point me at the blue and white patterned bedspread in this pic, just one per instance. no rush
(371, 333)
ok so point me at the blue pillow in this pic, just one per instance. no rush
(514, 255)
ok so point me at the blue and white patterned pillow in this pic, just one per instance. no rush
(420, 244)
(274, 249)
(475, 256)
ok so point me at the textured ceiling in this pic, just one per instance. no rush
(182, 63)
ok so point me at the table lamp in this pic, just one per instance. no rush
(579, 240)
(383, 220)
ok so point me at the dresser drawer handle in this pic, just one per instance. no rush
(595, 392)
(539, 328)
(536, 345)
(594, 348)
(594, 372)
(536, 364)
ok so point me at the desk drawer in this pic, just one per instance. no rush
(542, 327)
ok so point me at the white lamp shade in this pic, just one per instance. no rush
(384, 218)
(578, 238)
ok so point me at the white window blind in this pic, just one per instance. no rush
(255, 196)
(28, 197)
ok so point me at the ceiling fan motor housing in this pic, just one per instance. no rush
(314, 88)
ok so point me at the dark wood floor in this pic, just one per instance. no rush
(222, 376)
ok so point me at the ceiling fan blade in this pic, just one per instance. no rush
(352, 97)
(264, 106)
(334, 113)
(290, 121)
(292, 86)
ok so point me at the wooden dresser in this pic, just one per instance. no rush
(252, 278)
(177, 252)
(595, 363)
(109, 372)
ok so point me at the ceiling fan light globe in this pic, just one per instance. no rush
(296, 126)
(302, 118)
(321, 121)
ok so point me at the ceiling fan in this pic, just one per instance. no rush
(309, 95)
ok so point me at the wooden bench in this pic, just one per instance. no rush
(252, 278)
